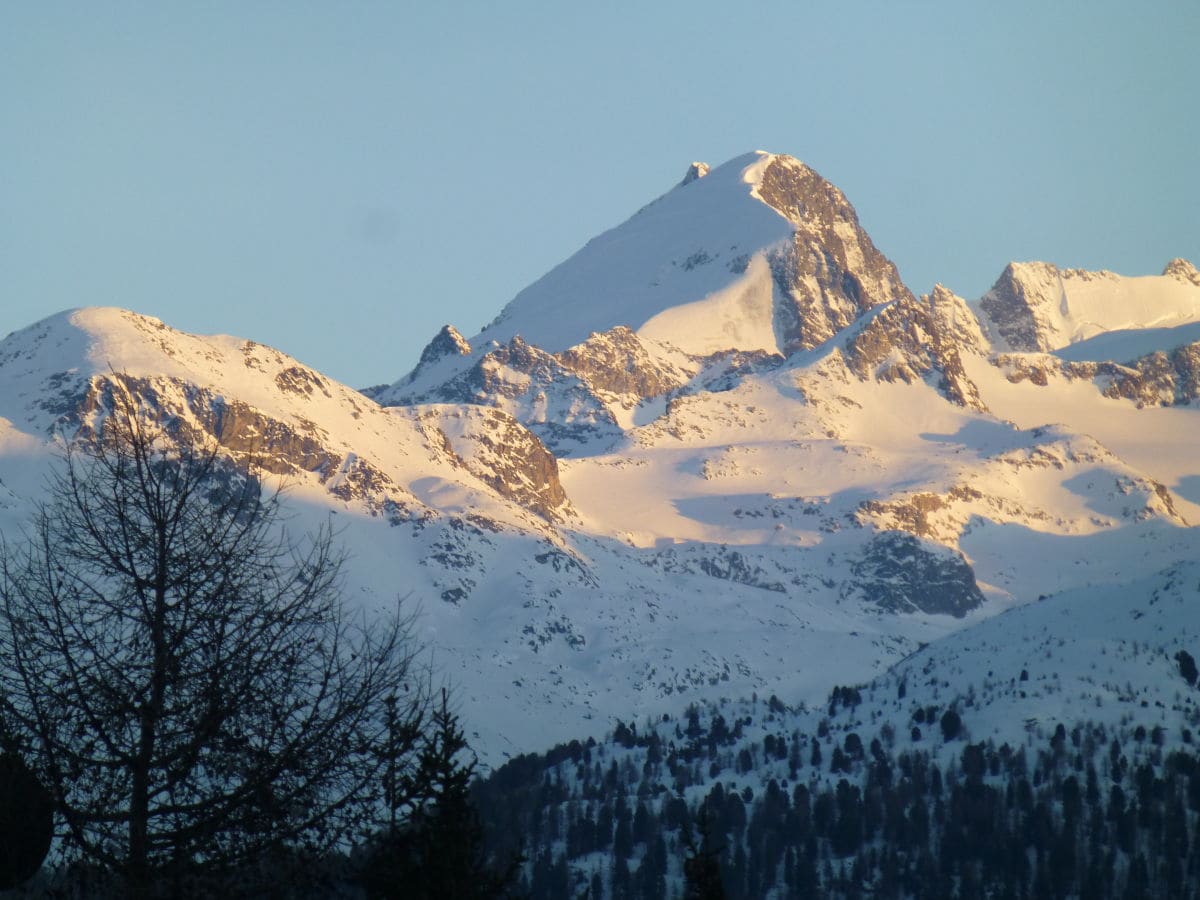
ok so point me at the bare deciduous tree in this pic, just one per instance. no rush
(183, 675)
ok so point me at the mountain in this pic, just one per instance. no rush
(1039, 307)
(1068, 724)
(760, 253)
(721, 450)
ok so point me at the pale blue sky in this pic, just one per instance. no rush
(340, 179)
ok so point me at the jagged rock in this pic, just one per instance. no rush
(498, 450)
(1038, 307)
(537, 389)
(955, 322)
(915, 513)
(1015, 306)
(900, 573)
(247, 435)
(616, 361)
(1156, 379)
(695, 172)
(568, 399)
(831, 272)
(447, 342)
(1183, 270)
(906, 341)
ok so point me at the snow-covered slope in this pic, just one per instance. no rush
(542, 625)
(760, 253)
(720, 439)
(1073, 717)
(1038, 306)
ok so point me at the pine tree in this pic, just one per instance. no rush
(702, 868)
(438, 850)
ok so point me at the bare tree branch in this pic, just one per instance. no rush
(184, 675)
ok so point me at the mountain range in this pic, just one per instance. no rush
(722, 450)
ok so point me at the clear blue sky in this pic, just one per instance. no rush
(340, 179)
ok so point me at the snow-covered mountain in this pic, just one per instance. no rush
(1069, 722)
(722, 449)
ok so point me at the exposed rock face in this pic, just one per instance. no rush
(617, 362)
(901, 573)
(917, 513)
(498, 450)
(696, 171)
(1157, 379)
(567, 399)
(1015, 306)
(302, 381)
(535, 387)
(1038, 307)
(1183, 270)
(955, 322)
(447, 342)
(831, 272)
(911, 339)
(249, 437)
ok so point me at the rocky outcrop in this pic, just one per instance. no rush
(695, 172)
(1038, 307)
(1015, 306)
(900, 573)
(250, 438)
(831, 272)
(534, 387)
(955, 322)
(567, 399)
(1182, 270)
(616, 361)
(910, 340)
(1157, 379)
(917, 513)
(447, 343)
(498, 450)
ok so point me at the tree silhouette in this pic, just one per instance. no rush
(437, 848)
(951, 725)
(1187, 667)
(182, 675)
(702, 867)
(26, 821)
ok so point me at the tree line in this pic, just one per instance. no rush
(1092, 812)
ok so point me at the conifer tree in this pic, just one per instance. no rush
(702, 867)
(437, 850)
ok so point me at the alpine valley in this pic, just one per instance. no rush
(724, 452)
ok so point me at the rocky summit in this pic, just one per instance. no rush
(721, 450)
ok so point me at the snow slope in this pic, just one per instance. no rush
(759, 253)
(721, 439)
(1038, 306)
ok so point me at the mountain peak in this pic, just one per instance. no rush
(759, 253)
(446, 342)
(1183, 270)
(1038, 307)
(695, 172)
